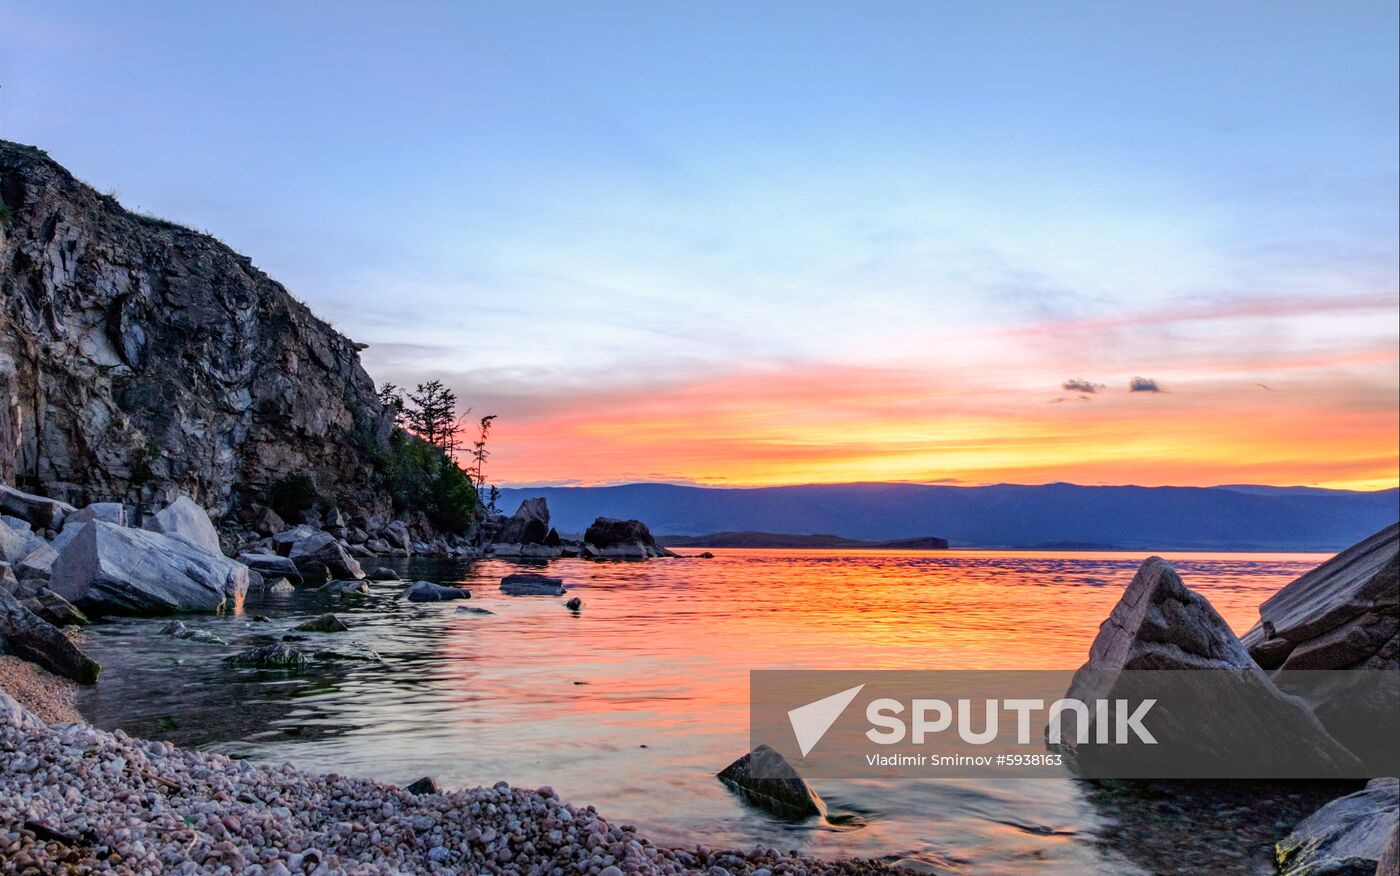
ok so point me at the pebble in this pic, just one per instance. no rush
(150, 807)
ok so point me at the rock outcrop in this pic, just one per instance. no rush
(610, 539)
(528, 525)
(1348, 835)
(110, 569)
(140, 356)
(1344, 614)
(1217, 721)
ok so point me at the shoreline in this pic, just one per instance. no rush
(71, 794)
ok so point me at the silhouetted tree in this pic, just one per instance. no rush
(479, 451)
(391, 397)
(431, 414)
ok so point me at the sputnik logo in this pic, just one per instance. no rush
(810, 722)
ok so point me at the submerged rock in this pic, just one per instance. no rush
(184, 519)
(765, 779)
(472, 609)
(1231, 716)
(345, 588)
(179, 630)
(110, 569)
(383, 573)
(574, 604)
(529, 584)
(278, 655)
(326, 623)
(1348, 835)
(348, 651)
(427, 591)
(29, 636)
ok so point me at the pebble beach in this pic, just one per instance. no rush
(75, 799)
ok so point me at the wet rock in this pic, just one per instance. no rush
(38, 511)
(184, 519)
(55, 609)
(427, 591)
(1341, 615)
(528, 584)
(326, 623)
(1348, 835)
(472, 609)
(1160, 624)
(705, 555)
(277, 586)
(278, 655)
(323, 550)
(525, 551)
(425, 785)
(528, 525)
(383, 573)
(272, 566)
(345, 588)
(111, 569)
(348, 651)
(26, 635)
(765, 779)
(179, 630)
(574, 604)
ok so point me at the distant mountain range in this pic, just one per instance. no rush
(787, 540)
(1235, 517)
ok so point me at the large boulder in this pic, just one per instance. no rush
(111, 569)
(321, 549)
(611, 539)
(1344, 614)
(184, 519)
(1348, 835)
(54, 608)
(38, 563)
(528, 525)
(26, 635)
(16, 544)
(765, 779)
(1227, 718)
(39, 511)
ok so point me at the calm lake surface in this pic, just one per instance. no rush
(633, 704)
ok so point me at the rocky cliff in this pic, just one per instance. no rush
(137, 356)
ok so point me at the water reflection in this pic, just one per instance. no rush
(634, 703)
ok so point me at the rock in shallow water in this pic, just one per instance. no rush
(179, 630)
(110, 569)
(275, 656)
(765, 779)
(1218, 720)
(427, 591)
(326, 623)
(526, 584)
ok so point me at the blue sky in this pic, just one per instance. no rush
(559, 207)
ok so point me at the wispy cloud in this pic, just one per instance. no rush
(1085, 387)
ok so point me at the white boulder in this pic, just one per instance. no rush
(184, 519)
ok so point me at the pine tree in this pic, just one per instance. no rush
(479, 451)
(432, 415)
(391, 397)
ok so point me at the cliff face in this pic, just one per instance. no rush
(136, 355)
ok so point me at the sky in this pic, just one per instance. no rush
(740, 244)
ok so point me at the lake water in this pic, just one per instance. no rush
(634, 703)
